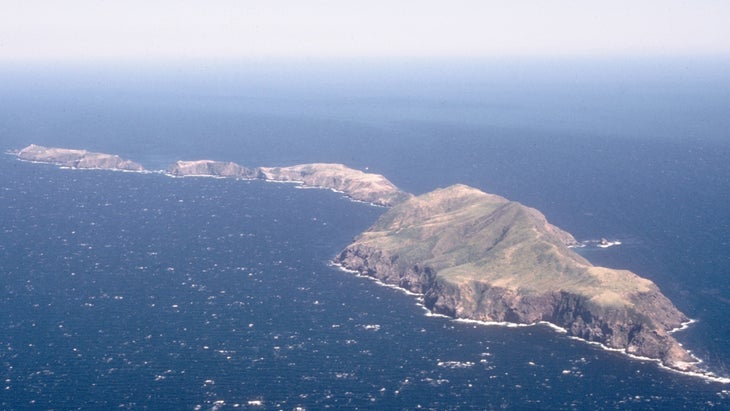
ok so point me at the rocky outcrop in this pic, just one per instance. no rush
(210, 168)
(77, 158)
(356, 184)
(479, 256)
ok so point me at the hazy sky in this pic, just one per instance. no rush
(189, 29)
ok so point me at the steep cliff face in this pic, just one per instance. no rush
(77, 158)
(211, 168)
(478, 256)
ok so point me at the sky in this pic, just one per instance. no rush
(147, 30)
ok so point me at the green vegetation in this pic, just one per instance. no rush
(467, 235)
(480, 256)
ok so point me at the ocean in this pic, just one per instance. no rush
(140, 291)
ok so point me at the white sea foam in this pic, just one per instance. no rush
(455, 364)
(295, 182)
(555, 328)
(166, 174)
(343, 268)
(708, 376)
(491, 323)
(62, 167)
(596, 243)
(374, 279)
(508, 324)
(394, 287)
(430, 313)
(683, 326)
(609, 244)
(302, 186)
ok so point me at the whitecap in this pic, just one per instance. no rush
(455, 364)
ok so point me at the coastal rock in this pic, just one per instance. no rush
(210, 168)
(479, 256)
(356, 184)
(77, 158)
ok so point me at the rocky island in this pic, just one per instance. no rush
(210, 168)
(482, 257)
(355, 184)
(77, 158)
(358, 185)
(472, 255)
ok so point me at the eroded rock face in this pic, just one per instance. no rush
(478, 256)
(77, 158)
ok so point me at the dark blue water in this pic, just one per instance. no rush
(141, 291)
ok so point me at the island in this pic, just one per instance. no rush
(355, 184)
(210, 168)
(77, 158)
(479, 256)
(471, 255)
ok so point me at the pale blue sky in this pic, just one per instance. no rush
(90, 30)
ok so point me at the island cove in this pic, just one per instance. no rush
(470, 255)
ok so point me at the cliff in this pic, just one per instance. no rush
(480, 256)
(77, 158)
(358, 185)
